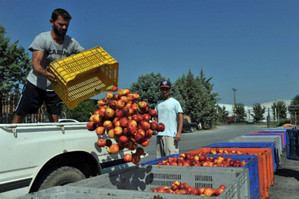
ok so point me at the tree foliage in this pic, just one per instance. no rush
(194, 93)
(188, 88)
(147, 86)
(222, 114)
(295, 100)
(240, 112)
(258, 112)
(82, 112)
(279, 109)
(14, 64)
(199, 98)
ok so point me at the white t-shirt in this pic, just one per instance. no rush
(52, 51)
(168, 115)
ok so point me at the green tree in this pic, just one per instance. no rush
(222, 114)
(240, 112)
(14, 65)
(279, 109)
(258, 112)
(208, 101)
(200, 101)
(147, 86)
(295, 100)
(82, 112)
(188, 88)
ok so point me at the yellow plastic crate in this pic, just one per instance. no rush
(84, 75)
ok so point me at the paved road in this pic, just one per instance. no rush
(286, 178)
(197, 139)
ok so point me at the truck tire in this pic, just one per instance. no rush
(61, 176)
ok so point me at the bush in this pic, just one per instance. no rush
(280, 122)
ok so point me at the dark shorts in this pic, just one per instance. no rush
(33, 97)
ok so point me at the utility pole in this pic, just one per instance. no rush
(234, 89)
(248, 115)
(268, 118)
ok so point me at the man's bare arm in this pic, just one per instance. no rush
(37, 56)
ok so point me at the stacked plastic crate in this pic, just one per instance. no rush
(265, 163)
(292, 144)
(138, 181)
(261, 151)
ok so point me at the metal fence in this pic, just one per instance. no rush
(9, 103)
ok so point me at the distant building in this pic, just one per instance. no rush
(249, 110)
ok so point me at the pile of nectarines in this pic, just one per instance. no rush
(184, 188)
(231, 151)
(201, 159)
(125, 120)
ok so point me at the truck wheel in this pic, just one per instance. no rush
(61, 176)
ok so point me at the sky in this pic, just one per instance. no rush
(249, 45)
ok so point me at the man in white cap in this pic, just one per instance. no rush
(170, 113)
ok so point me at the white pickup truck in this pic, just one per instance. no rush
(42, 155)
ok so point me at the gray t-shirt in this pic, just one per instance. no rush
(52, 51)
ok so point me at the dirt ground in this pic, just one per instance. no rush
(286, 180)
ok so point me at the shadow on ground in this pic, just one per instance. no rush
(288, 173)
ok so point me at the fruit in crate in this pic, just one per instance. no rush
(201, 159)
(226, 151)
(220, 189)
(178, 187)
(124, 122)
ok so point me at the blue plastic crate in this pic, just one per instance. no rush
(271, 145)
(281, 137)
(251, 165)
(293, 144)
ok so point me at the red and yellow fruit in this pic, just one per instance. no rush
(185, 189)
(124, 122)
(201, 159)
